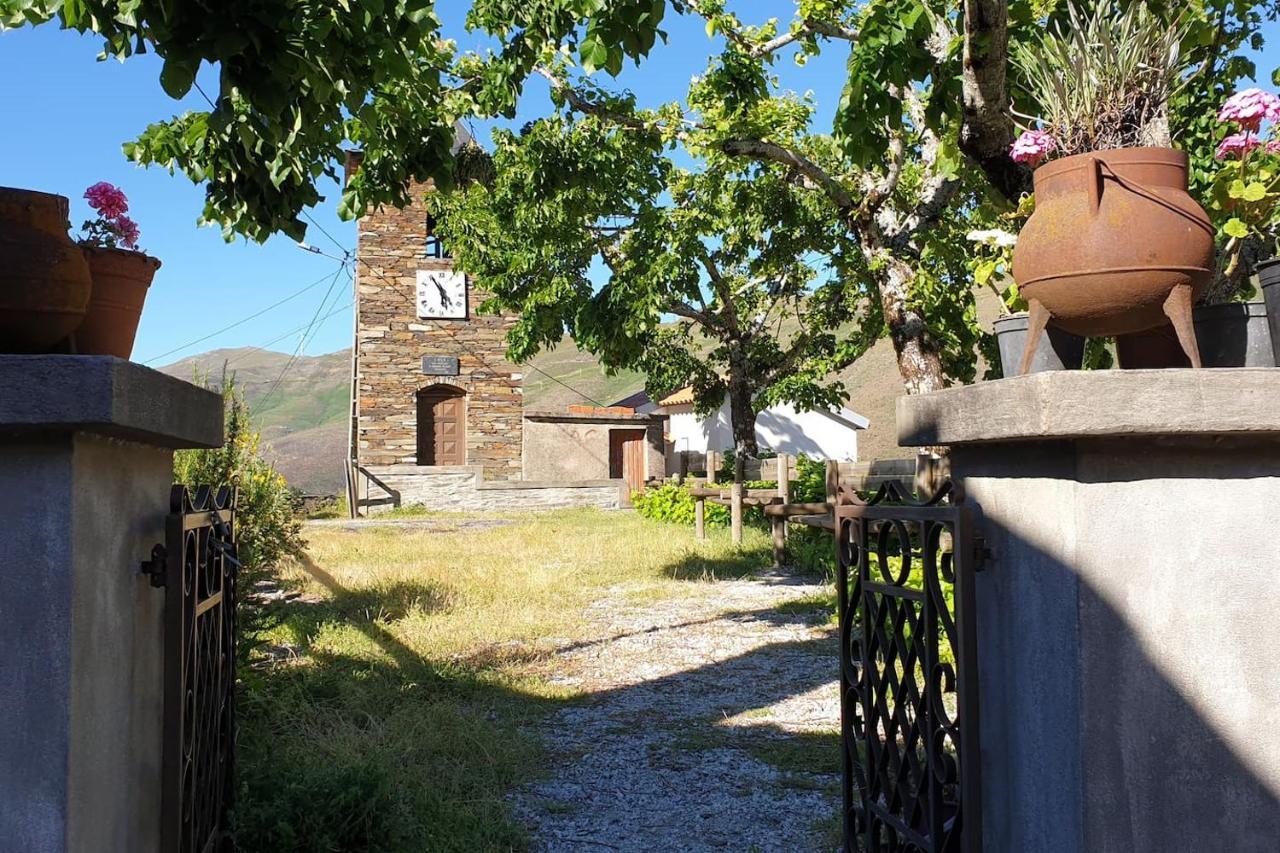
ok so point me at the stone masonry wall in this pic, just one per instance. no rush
(391, 341)
(459, 489)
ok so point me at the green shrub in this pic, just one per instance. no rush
(810, 484)
(267, 526)
(811, 549)
(674, 504)
(266, 522)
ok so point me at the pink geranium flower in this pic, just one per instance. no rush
(128, 231)
(1249, 108)
(108, 200)
(1237, 145)
(1032, 147)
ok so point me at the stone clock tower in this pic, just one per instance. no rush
(433, 392)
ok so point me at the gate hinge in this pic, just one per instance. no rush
(157, 567)
(981, 553)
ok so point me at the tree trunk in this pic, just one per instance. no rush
(918, 359)
(988, 130)
(742, 416)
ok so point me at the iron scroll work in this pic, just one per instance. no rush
(909, 720)
(200, 669)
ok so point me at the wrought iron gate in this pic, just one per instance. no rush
(909, 719)
(198, 567)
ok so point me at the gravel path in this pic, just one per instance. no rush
(686, 698)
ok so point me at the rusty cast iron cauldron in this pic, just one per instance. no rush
(1116, 245)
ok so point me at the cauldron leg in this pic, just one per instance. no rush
(1178, 309)
(1036, 321)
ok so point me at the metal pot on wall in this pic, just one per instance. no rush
(1057, 349)
(1116, 246)
(44, 279)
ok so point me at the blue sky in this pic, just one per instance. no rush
(67, 114)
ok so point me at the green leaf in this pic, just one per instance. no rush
(1236, 189)
(177, 76)
(1236, 228)
(1255, 191)
(985, 270)
(594, 53)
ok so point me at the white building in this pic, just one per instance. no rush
(818, 434)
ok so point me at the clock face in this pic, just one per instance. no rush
(442, 295)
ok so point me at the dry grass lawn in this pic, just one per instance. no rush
(405, 707)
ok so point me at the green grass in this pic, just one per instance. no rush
(413, 705)
(822, 604)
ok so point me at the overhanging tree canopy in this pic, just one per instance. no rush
(729, 278)
(299, 79)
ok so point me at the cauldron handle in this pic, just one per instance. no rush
(1095, 185)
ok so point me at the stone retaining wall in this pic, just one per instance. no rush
(462, 489)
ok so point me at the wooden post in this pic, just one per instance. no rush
(833, 481)
(700, 517)
(713, 462)
(735, 498)
(779, 540)
(684, 466)
(735, 512)
(784, 487)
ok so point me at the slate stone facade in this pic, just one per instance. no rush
(392, 340)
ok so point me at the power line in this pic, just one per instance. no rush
(307, 247)
(332, 239)
(244, 320)
(302, 342)
(289, 333)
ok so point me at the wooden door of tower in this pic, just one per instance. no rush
(626, 457)
(442, 438)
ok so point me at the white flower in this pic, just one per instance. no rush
(993, 237)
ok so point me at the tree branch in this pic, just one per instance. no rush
(583, 104)
(987, 130)
(785, 156)
(684, 309)
(805, 27)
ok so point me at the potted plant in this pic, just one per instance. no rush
(1057, 349)
(44, 280)
(1116, 245)
(121, 275)
(1243, 201)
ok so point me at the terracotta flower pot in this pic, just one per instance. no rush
(44, 280)
(1116, 245)
(120, 282)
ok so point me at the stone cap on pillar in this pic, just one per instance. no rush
(107, 396)
(1073, 404)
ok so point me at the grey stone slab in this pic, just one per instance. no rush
(81, 644)
(108, 396)
(1081, 404)
(1125, 630)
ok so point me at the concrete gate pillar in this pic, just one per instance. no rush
(86, 464)
(1128, 622)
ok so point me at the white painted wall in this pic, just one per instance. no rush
(816, 434)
